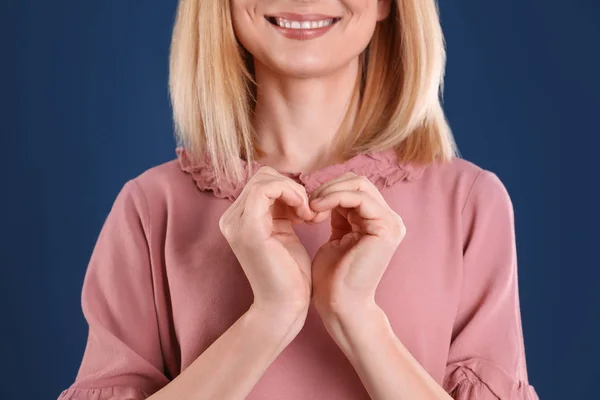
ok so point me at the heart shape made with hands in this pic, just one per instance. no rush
(365, 233)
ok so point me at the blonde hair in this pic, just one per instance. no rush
(397, 97)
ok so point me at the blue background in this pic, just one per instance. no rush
(85, 107)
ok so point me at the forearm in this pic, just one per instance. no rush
(386, 368)
(234, 363)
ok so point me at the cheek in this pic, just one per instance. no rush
(245, 17)
(367, 8)
(358, 31)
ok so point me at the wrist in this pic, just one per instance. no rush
(349, 312)
(352, 328)
(281, 308)
(286, 322)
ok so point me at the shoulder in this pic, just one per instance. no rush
(161, 176)
(480, 189)
(467, 180)
(456, 170)
(163, 181)
(163, 192)
(169, 205)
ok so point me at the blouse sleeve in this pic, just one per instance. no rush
(122, 358)
(487, 356)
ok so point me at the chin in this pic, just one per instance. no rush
(303, 66)
(304, 70)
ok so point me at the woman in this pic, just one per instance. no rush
(317, 236)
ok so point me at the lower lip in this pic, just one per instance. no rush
(303, 34)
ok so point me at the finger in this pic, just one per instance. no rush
(339, 221)
(350, 221)
(319, 217)
(266, 172)
(354, 218)
(304, 211)
(278, 198)
(340, 178)
(280, 210)
(263, 194)
(349, 182)
(367, 206)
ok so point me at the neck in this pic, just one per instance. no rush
(297, 120)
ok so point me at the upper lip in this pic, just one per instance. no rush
(301, 17)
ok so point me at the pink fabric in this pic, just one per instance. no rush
(162, 284)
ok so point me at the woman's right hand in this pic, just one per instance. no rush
(258, 227)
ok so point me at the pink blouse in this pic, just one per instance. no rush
(162, 284)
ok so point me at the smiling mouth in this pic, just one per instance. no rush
(293, 24)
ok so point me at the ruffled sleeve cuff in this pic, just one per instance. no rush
(106, 393)
(478, 379)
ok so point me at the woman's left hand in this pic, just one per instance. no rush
(365, 233)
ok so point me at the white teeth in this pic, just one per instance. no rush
(284, 23)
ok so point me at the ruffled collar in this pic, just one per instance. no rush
(382, 168)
